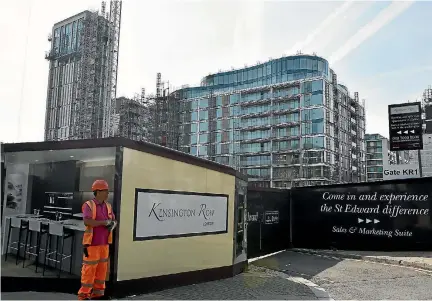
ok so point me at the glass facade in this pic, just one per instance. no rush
(284, 122)
(375, 156)
(67, 37)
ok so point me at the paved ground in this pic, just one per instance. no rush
(256, 284)
(298, 276)
(36, 296)
(347, 279)
(421, 260)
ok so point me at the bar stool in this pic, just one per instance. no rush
(57, 230)
(40, 229)
(21, 225)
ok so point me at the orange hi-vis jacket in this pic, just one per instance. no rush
(88, 233)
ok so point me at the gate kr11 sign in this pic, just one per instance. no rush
(402, 171)
(405, 126)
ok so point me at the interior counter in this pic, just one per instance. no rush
(75, 227)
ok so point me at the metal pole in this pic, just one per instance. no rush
(260, 236)
(420, 163)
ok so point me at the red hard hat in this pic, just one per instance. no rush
(99, 185)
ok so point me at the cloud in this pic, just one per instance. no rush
(341, 29)
(329, 20)
(367, 31)
(247, 34)
(400, 72)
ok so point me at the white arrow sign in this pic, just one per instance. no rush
(412, 131)
(368, 221)
(406, 132)
(359, 220)
(376, 221)
(399, 132)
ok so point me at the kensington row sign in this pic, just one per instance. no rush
(168, 214)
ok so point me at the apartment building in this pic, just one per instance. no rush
(286, 122)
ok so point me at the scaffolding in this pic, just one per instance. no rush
(113, 42)
(164, 118)
(427, 107)
(133, 117)
(88, 59)
(84, 109)
(427, 96)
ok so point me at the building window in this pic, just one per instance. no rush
(313, 142)
(203, 127)
(203, 138)
(203, 115)
(312, 114)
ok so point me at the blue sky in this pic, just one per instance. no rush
(394, 65)
(380, 49)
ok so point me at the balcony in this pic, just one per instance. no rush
(252, 140)
(254, 127)
(253, 115)
(286, 97)
(285, 111)
(246, 103)
(286, 124)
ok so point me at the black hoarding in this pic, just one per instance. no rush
(268, 217)
(428, 121)
(428, 129)
(388, 215)
(428, 112)
(405, 126)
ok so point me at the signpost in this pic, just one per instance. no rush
(405, 126)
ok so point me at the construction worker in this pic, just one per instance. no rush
(98, 218)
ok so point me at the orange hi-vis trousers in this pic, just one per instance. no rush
(93, 273)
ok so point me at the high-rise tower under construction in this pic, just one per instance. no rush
(82, 81)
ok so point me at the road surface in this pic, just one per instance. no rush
(354, 279)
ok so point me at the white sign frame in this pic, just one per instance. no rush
(271, 221)
(161, 214)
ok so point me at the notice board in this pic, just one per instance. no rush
(405, 126)
(387, 215)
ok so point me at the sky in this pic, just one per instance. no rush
(380, 49)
